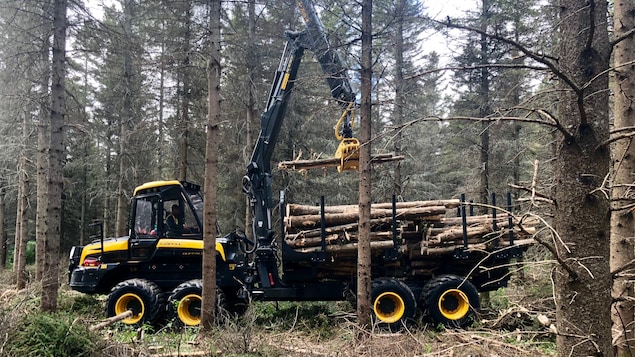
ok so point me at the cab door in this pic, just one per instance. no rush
(145, 227)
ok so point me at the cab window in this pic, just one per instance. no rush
(180, 220)
(145, 222)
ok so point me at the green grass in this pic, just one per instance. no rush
(312, 317)
(499, 299)
(265, 330)
(51, 335)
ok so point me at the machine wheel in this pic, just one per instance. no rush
(393, 303)
(451, 300)
(141, 296)
(184, 304)
(236, 306)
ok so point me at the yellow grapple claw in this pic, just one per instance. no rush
(348, 152)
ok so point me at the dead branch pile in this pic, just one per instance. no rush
(424, 228)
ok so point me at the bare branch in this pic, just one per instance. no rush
(468, 68)
(625, 36)
(624, 128)
(624, 267)
(533, 55)
(553, 248)
(557, 257)
(539, 196)
(617, 137)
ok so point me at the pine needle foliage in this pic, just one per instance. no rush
(51, 335)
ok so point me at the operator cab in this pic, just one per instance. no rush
(158, 207)
(164, 209)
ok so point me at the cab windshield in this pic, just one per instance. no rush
(168, 214)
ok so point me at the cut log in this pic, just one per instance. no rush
(472, 247)
(452, 203)
(111, 320)
(298, 209)
(316, 232)
(349, 247)
(332, 162)
(333, 219)
(488, 218)
(423, 228)
(313, 242)
(335, 239)
(457, 233)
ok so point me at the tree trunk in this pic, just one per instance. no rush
(161, 124)
(42, 163)
(211, 168)
(42, 160)
(86, 158)
(399, 94)
(122, 196)
(623, 158)
(484, 109)
(19, 247)
(107, 216)
(251, 104)
(582, 283)
(3, 233)
(185, 95)
(125, 122)
(363, 249)
(50, 283)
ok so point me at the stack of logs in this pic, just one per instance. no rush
(424, 229)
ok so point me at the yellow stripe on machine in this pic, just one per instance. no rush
(285, 80)
(189, 244)
(109, 246)
(122, 245)
(287, 74)
(155, 184)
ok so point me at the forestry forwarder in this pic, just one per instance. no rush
(154, 270)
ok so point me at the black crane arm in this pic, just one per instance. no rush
(257, 182)
(330, 60)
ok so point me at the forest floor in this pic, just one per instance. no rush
(515, 324)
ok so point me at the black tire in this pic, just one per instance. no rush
(451, 300)
(141, 296)
(184, 304)
(236, 306)
(393, 303)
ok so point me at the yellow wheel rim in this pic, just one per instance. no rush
(389, 307)
(133, 302)
(189, 310)
(454, 304)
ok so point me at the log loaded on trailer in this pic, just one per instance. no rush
(425, 256)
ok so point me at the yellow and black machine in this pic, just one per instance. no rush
(159, 262)
(156, 269)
